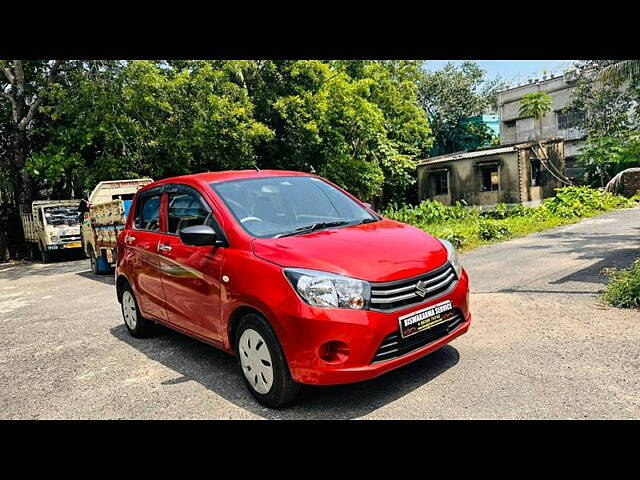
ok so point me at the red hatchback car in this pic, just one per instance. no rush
(300, 280)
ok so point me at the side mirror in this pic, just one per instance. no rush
(200, 236)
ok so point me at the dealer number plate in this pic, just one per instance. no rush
(424, 319)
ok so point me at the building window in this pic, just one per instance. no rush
(510, 124)
(536, 179)
(567, 120)
(440, 183)
(489, 178)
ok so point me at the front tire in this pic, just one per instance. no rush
(261, 360)
(137, 325)
(45, 256)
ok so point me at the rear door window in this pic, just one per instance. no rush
(148, 214)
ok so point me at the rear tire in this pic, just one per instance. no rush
(137, 325)
(265, 373)
(99, 265)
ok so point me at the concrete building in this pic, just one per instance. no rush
(510, 174)
(515, 129)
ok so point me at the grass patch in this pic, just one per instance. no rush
(623, 289)
(468, 228)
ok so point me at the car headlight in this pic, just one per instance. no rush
(54, 238)
(324, 289)
(452, 256)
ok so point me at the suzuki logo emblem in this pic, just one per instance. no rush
(421, 288)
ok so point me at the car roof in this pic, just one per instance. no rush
(226, 175)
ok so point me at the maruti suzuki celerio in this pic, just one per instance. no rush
(301, 281)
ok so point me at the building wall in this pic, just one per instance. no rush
(515, 174)
(560, 91)
(464, 180)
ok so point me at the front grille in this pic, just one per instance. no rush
(70, 238)
(389, 296)
(394, 345)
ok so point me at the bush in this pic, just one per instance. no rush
(457, 238)
(429, 211)
(572, 202)
(623, 289)
(502, 211)
(488, 230)
(467, 227)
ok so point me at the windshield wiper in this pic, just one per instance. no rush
(367, 220)
(311, 228)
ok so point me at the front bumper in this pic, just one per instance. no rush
(363, 332)
(64, 246)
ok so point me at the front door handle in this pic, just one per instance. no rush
(163, 248)
(129, 239)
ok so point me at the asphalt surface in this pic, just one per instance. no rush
(540, 346)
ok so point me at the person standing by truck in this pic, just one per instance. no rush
(52, 226)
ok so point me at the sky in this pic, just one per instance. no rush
(511, 71)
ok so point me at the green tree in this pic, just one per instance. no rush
(450, 96)
(536, 105)
(356, 122)
(603, 108)
(605, 157)
(607, 110)
(619, 71)
(126, 119)
(23, 90)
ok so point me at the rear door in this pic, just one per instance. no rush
(141, 245)
(190, 274)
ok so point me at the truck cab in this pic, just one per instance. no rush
(52, 226)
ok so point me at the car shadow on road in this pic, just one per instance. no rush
(217, 371)
(108, 279)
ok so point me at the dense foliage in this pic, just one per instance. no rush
(467, 227)
(607, 107)
(450, 96)
(623, 289)
(356, 122)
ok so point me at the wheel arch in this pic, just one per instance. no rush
(121, 283)
(232, 325)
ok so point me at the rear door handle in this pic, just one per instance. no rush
(163, 248)
(129, 239)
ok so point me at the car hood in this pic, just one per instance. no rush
(378, 252)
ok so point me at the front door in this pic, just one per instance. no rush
(141, 247)
(190, 274)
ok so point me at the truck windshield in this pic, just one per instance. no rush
(281, 206)
(61, 215)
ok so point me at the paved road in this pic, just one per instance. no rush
(540, 346)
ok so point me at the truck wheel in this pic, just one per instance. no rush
(94, 263)
(262, 362)
(45, 256)
(99, 265)
(137, 325)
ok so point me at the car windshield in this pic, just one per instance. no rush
(282, 206)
